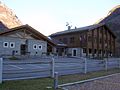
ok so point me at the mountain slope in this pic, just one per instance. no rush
(112, 20)
(7, 17)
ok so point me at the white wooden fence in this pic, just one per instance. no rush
(64, 67)
(1, 63)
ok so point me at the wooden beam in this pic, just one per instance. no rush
(93, 44)
(98, 42)
(87, 44)
(114, 47)
(103, 42)
(107, 44)
(110, 43)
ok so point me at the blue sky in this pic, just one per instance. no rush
(50, 16)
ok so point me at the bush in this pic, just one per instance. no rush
(13, 58)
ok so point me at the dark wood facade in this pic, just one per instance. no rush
(97, 42)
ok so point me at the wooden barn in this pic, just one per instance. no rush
(94, 41)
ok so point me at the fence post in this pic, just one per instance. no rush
(52, 68)
(1, 66)
(85, 67)
(106, 66)
(55, 80)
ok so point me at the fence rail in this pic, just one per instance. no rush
(49, 67)
(1, 66)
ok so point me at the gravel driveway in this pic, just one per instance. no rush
(109, 83)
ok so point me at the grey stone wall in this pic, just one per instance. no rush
(8, 50)
(37, 51)
(18, 42)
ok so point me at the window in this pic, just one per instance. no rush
(90, 51)
(100, 51)
(40, 47)
(89, 38)
(5, 44)
(95, 39)
(95, 51)
(84, 36)
(60, 40)
(84, 50)
(72, 40)
(34, 46)
(80, 38)
(64, 40)
(12, 45)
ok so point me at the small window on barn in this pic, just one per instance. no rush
(40, 47)
(34, 46)
(60, 40)
(65, 40)
(90, 51)
(72, 40)
(95, 51)
(89, 38)
(5, 44)
(84, 50)
(12, 45)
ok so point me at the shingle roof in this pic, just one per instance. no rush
(91, 27)
(57, 42)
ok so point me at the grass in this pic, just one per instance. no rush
(42, 83)
(33, 84)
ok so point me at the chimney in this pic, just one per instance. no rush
(75, 27)
(69, 27)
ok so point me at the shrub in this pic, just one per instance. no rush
(13, 58)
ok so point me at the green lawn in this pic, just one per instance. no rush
(42, 83)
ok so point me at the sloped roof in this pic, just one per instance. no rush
(36, 33)
(91, 27)
(87, 28)
(58, 43)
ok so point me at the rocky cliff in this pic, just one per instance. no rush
(7, 17)
(112, 20)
